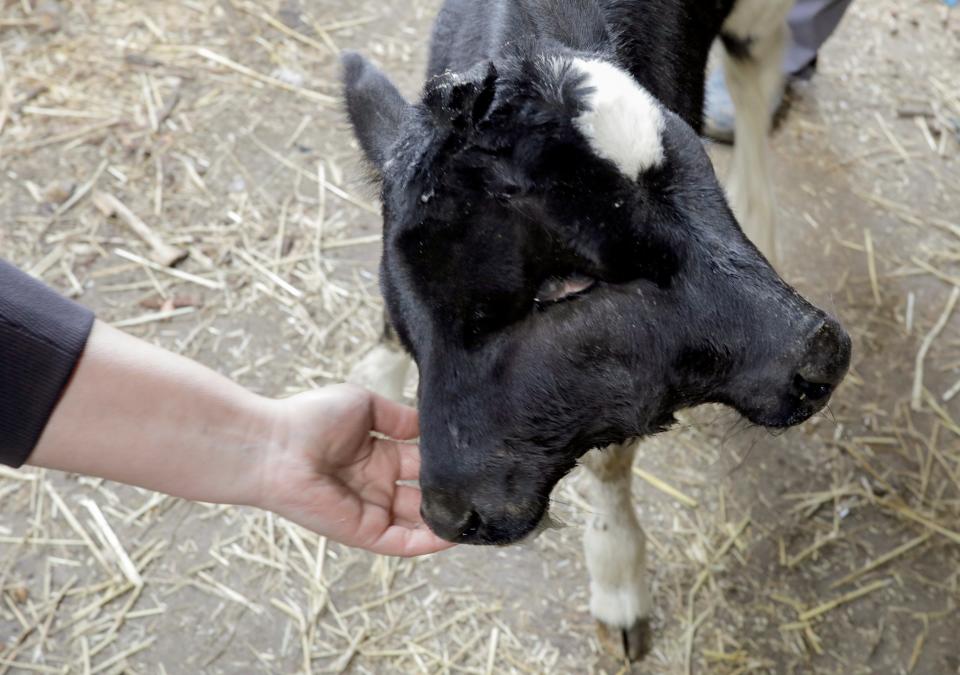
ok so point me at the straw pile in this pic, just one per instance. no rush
(134, 135)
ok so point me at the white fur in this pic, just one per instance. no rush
(620, 606)
(622, 121)
(384, 371)
(753, 18)
(614, 543)
(752, 82)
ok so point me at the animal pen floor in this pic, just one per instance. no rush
(831, 548)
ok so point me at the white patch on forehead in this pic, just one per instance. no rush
(622, 120)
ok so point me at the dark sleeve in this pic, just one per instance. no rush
(42, 335)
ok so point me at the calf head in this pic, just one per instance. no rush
(561, 262)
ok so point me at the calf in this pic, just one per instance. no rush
(562, 264)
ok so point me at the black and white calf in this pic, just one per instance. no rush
(562, 264)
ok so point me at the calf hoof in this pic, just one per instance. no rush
(632, 643)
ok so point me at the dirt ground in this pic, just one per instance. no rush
(831, 548)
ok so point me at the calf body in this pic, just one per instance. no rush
(561, 262)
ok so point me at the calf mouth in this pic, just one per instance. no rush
(547, 522)
(504, 517)
(525, 524)
(496, 527)
(793, 412)
(492, 535)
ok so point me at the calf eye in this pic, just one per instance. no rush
(556, 289)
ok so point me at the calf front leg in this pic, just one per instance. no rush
(753, 38)
(616, 551)
(384, 368)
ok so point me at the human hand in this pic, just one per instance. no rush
(325, 471)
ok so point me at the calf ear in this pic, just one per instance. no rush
(374, 105)
(460, 100)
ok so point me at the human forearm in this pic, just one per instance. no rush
(137, 414)
(141, 415)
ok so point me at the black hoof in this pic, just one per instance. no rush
(632, 643)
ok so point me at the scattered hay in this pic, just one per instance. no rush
(134, 133)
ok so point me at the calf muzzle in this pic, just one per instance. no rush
(825, 362)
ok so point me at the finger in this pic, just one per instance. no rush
(409, 456)
(407, 543)
(406, 504)
(406, 455)
(394, 419)
(408, 524)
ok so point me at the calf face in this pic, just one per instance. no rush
(562, 264)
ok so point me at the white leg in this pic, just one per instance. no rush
(754, 74)
(616, 550)
(383, 370)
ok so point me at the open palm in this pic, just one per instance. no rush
(329, 473)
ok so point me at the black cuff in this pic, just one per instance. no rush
(42, 336)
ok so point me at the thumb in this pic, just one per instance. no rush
(395, 420)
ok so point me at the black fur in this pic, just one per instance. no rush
(489, 190)
(663, 43)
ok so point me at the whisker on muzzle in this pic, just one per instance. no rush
(739, 426)
(827, 414)
(743, 460)
(547, 522)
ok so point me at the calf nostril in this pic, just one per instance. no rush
(813, 391)
(825, 361)
(471, 525)
(450, 517)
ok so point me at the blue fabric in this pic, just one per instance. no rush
(718, 110)
(811, 23)
(719, 118)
